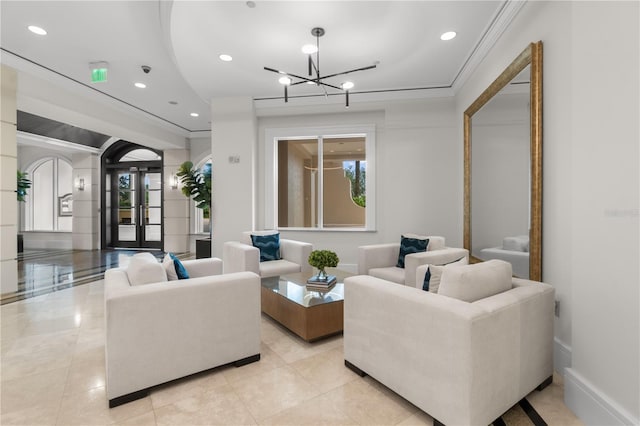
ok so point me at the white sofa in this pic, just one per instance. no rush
(379, 260)
(243, 256)
(462, 363)
(158, 332)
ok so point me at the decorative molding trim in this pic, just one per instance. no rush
(495, 29)
(561, 356)
(590, 404)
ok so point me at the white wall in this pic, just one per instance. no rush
(419, 176)
(590, 198)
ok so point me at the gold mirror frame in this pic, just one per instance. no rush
(532, 55)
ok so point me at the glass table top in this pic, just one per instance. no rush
(293, 287)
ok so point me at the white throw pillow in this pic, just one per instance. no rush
(474, 282)
(144, 269)
(169, 268)
(436, 273)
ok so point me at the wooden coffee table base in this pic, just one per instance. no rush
(310, 323)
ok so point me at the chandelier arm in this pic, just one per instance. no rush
(349, 72)
(275, 70)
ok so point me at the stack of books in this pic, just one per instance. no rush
(316, 284)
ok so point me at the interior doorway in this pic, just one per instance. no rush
(133, 197)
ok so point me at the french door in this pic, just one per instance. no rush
(136, 208)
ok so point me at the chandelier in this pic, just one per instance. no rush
(314, 76)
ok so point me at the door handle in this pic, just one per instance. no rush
(141, 215)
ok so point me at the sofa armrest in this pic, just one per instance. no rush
(297, 252)
(203, 267)
(436, 257)
(159, 332)
(377, 256)
(239, 257)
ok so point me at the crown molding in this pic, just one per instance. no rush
(495, 29)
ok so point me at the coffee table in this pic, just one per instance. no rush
(310, 314)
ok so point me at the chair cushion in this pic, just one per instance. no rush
(278, 267)
(169, 267)
(474, 282)
(519, 243)
(433, 275)
(391, 273)
(269, 246)
(410, 245)
(144, 269)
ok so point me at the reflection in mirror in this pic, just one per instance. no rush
(503, 168)
(500, 176)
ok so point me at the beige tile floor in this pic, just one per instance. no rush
(52, 373)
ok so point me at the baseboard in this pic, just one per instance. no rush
(561, 356)
(590, 404)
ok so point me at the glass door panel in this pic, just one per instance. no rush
(127, 220)
(152, 206)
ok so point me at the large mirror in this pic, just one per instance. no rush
(503, 168)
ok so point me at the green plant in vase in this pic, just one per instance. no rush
(196, 184)
(322, 259)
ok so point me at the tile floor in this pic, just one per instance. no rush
(52, 373)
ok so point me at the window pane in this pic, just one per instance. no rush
(344, 184)
(65, 186)
(298, 183)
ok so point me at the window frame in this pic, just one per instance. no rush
(273, 135)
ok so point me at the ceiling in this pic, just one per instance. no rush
(181, 42)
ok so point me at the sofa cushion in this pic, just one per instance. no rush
(519, 243)
(278, 267)
(269, 246)
(391, 273)
(144, 269)
(181, 271)
(474, 282)
(169, 267)
(433, 274)
(409, 245)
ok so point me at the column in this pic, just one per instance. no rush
(176, 204)
(86, 202)
(233, 147)
(8, 169)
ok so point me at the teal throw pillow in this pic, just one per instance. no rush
(409, 246)
(180, 269)
(269, 246)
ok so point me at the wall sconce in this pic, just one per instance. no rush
(173, 181)
(80, 184)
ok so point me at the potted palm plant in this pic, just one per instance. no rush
(196, 184)
(22, 184)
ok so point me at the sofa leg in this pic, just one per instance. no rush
(247, 360)
(354, 368)
(544, 384)
(128, 398)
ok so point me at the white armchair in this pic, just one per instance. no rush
(243, 256)
(159, 331)
(379, 260)
(465, 357)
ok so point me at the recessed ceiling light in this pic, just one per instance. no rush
(284, 80)
(225, 58)
(194, 114)
(251, 4)
(448, 35)
(347, 85)
(173, 103)
(37, 30)
(309, 49)
(140, 85)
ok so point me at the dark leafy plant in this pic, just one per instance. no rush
(23, 184)
(196, 184)
(323, 258)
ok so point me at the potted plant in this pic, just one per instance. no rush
(321, 259)
(22, 184)
(196, 184)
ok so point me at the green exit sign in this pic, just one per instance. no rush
(98, 75)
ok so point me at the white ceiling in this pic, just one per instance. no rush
(181, 41)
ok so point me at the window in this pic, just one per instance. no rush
(337, 195)
(48, 202)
